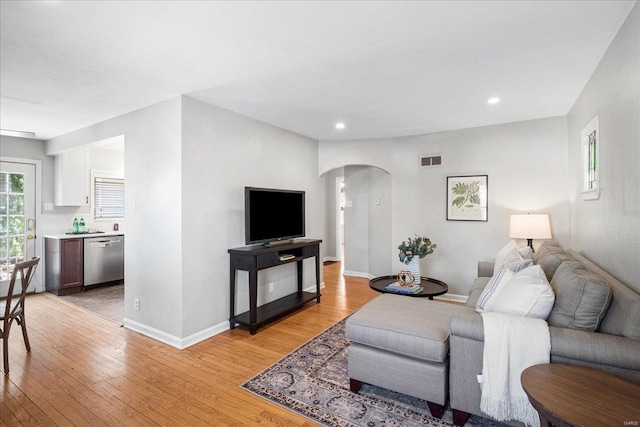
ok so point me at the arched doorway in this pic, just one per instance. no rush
(358, 226)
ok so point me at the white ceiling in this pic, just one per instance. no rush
(385, 68)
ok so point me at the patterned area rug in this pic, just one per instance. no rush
(312, 381)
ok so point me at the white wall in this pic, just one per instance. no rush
(331, 205)
(380, 211)
(106, 160)
(608, 230)
(367, 224)
(222, 153)
(186, 165)
(35, 149)
(153, 170)
(356, 220)
(527, 167)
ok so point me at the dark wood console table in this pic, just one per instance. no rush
(258, 257)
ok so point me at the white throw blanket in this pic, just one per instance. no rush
(512, 343)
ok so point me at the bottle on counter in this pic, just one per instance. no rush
(81, 226)
(75, 225)
(116, 227)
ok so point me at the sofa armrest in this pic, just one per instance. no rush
(465, 362)
(485, 268)
(467, 325)
(596, 348)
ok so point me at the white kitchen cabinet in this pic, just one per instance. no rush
(72, 179)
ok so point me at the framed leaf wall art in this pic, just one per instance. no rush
(467, 198)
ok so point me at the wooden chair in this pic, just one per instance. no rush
(13, 307)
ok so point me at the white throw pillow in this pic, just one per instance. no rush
(493, 286)
(509, 257)
(527, 293)
(502, 254)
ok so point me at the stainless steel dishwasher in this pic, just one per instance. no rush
(103, 260)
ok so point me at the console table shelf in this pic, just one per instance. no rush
(258, 257)
(278, 308)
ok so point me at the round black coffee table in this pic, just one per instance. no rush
(432, 287)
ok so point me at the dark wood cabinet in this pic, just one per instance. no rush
(257, 257)
(64, 272)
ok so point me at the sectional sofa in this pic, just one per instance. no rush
(433, 350)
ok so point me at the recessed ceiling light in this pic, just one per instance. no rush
(493, 101)
(339, 125)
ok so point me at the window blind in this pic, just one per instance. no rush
(108, 198)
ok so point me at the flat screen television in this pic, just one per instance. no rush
(271, 215)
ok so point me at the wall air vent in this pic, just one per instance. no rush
(431, 161)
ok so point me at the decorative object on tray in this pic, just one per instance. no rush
(406, 278)
(467, 198)
(411, 250)
(399, 288)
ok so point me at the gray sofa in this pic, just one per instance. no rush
(433, 350)
(614, 346)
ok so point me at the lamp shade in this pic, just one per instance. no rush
(530, 226)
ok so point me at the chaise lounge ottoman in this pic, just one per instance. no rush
(401, 343)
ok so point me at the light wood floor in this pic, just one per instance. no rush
(86, 370)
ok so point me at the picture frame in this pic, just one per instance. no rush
(467, 198)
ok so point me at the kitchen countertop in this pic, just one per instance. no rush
(62, 235)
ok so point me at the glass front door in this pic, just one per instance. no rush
(17, 218)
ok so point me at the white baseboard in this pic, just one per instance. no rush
(173, 341)
(358, 274)
(204, 334)
(182, 343)
(313, 288)
(330, 259)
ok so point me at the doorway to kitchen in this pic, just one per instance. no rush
(103, 251)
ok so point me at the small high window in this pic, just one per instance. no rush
(591, 160)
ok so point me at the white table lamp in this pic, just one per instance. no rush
(530, 226)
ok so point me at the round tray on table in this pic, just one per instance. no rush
(432, 287)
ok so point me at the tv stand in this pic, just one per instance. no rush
(259, 257)
(277, 243)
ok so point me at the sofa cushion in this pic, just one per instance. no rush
(406, 325)
(476, 290)
(528, 293)
(623, 314)
(494, 285)
(582, 298)
(544, 247)
(550, 259)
